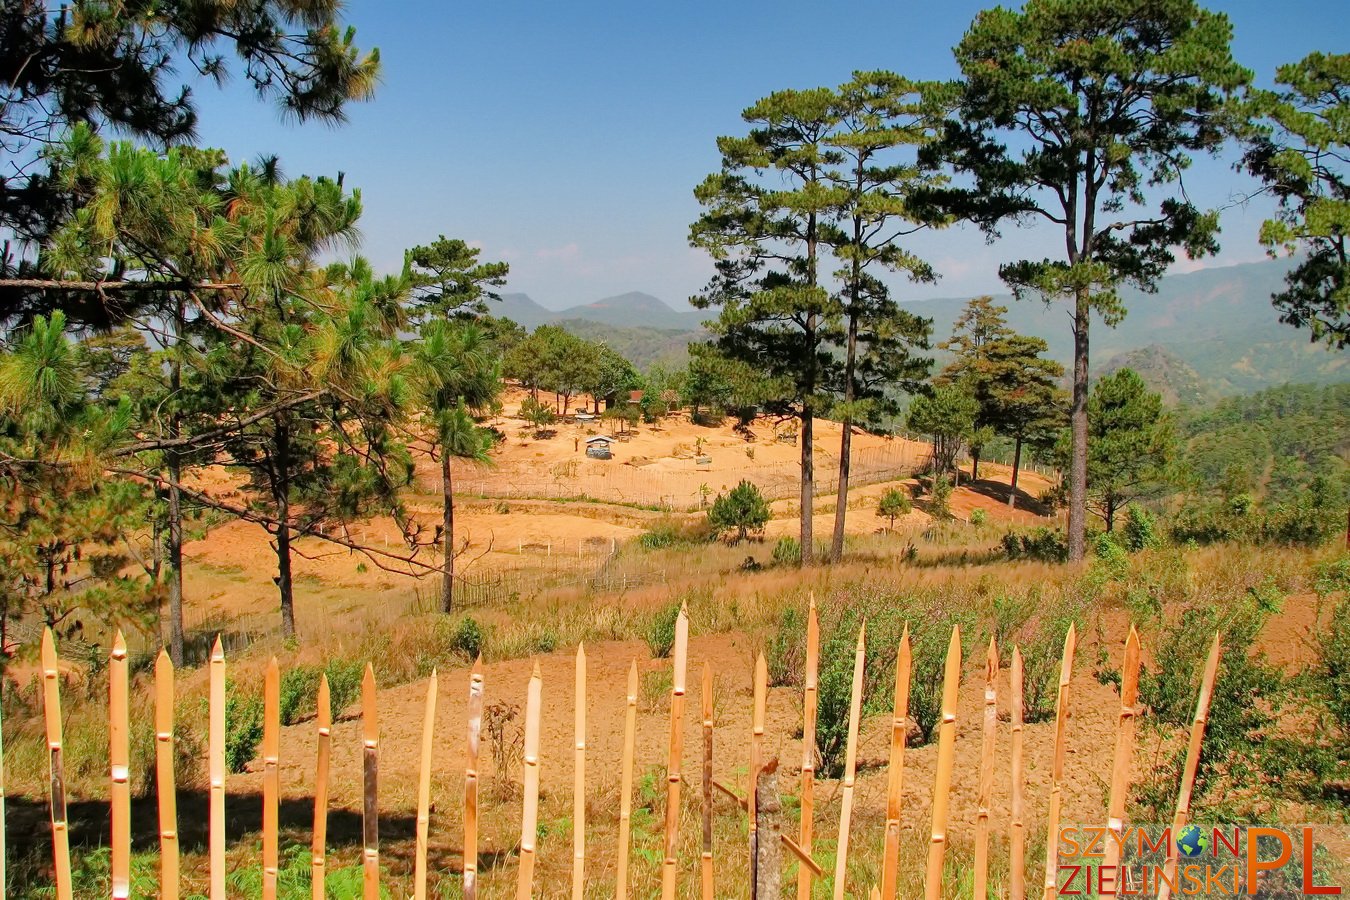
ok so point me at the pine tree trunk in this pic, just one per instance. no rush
(845, 442)
(174, 545)
(174, 551)
(447, 535)
(974, 465)
(1017, 462)
(808, 493)
(1078, 427)
(282, 495)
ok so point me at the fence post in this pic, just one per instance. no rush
(850, 764)
(674, 760)
(51, 712)
(119, 759)
(1048, 888)
(942, 786)
(217, 769)
(529, 817)
(370, 811)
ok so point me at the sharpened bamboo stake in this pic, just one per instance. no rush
(937, 848)
(1050, 886)
(165, 788)
(318, 845)
(475, 714)
(810, 705)
(674, 762)
(271, 776)
(216, 769)
(424, 790)
(579, 781)
(1017, 829)
(370, 810)
(626, 784)
(529, 817)
(757, 715)
(51, 714)
(1192, 764)
(119, 769)
(981, 878)
(4, 884)
(850, 764)
(895, 769)
(706, 858)
(1120, 766)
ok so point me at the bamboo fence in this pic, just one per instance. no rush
(673, 864)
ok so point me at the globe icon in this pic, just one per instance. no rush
(1192, 841)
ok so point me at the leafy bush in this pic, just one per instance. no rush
(243, 727)
(785, 651)
(670, 532)
(893, 504)
(743, 510)
(299, 685)
(466, 639)
(1140, 531)
(1045, 544)
(344, 682)
(787, 552)
(660, 632)
(978, 517)
(1043, 655)
(834, 686)
(939, 500)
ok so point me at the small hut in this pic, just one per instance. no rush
(598, 447)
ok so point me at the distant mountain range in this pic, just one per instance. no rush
(631, 310)
(1201, 335)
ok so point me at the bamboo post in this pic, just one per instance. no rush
(4, 884)
(850, 764)
(757, 716)
(319, 839)
(1120, 766)
(216, 769)
(529, 817)
(1192, 764)
(810, 703)
(271, 776)
(1050, 885)
(165, 789)
(674, 763)
(895, 769)
(937, 848)
(475, 714)
(626, 783)
(424, 790)
(981, 879)
(119, 769)
(370, 810)
(1017, 830)
(707, 854)
(579, 780)
(51, 713)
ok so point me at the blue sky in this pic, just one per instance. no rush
(567, 138)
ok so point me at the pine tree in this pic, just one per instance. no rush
(1078, 113)
(879, 117)
(762, 223)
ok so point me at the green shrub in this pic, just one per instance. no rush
(1140, 531)
(243, 727)
(1043, 655)
(344, 682)
(743, 510)
(787, 551)
(939, 500)
(299, 685)
(466, 639)
(978, 517)
(660, 631)
(893, 504)
(834, 686)
(670, 532)
(1333, 644)
(1045, 544)
(785, 653)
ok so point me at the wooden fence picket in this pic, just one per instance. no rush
(937, 847)
(424, 790)
(119, 769)
(810, 706)
(319, 840)
(51, 713)
(895, 767)
(626, 784)
(216, 768)
(165, 782)
(370, 809)
(1124, 753)
(675, 756)
(271, 750)
(529, 816)
(850, 764)
(1049, 886)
